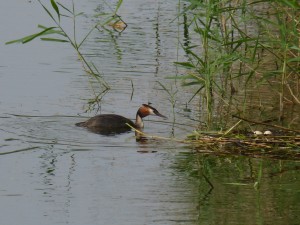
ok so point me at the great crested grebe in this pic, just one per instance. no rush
(112, 123)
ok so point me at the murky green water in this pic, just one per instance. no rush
(52, 172)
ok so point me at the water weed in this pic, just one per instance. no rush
(58, 33)
(238, 46)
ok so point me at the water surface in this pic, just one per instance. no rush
(53, 172)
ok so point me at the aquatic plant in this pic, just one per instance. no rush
(227, 55)
(58, 33)
(172, 99)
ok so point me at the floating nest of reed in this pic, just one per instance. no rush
(272, 146)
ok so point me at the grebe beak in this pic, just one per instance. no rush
(158, 114)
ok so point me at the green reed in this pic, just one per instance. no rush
(227, 54)
(171, 93)
(57, 33)
(285, 47)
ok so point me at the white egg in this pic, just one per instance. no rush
(267, 132)
(257, 133)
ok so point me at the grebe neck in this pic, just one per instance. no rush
(139, 121)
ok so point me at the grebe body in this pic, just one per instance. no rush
(112, 123)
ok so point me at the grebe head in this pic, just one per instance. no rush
(146, 110)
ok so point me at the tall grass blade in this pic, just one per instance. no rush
(185, 64)
(198, 91)
(54, 39)
(64, 7)
(118, 6)
(290, 3)
(86, 36)
(52, 31)
(164, 87)
(31, 37)
(55, 7)
(49, 13)
(294, 60)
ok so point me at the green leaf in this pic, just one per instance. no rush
(205, 33)
(30, 37)
(54, 39)
(47, 10)
(55, 7)
(64, 7)
(79, 14)
(107, 21)
(185, 64)
(192, 83)
(37, 35)
(296, 48)
(118, 6)
(163, 86)
(185, 77)
(189, 52)
(59, 32)
(290, 3)
(296, 59)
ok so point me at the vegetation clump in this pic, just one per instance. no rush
(244, 59)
